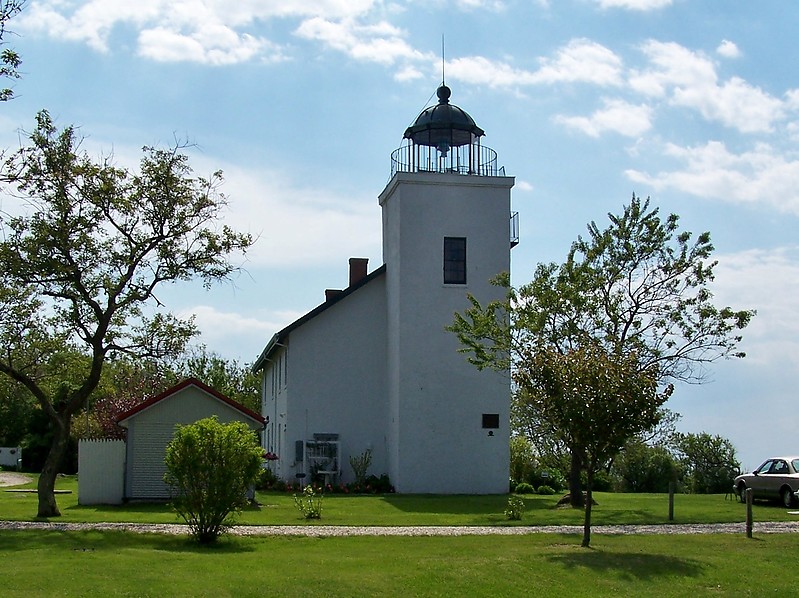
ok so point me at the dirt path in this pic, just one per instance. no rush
(9, 478)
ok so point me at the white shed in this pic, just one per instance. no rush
(151, 425)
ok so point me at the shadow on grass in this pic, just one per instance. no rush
(630, 565)
(97, 541)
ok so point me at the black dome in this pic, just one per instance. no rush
(444, 125)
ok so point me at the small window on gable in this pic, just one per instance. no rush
(454, 260)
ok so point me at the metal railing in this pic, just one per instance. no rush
(471, 159)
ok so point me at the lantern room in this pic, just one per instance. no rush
(444, 139)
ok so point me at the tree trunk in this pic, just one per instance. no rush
(589, 501)
(575, 487)
(46, 487)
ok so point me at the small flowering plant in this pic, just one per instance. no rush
(309, 503)
(515, 508)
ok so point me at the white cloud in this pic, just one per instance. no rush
(768, 281)
(580, 61)
(216, 45)
(296, 225)
(728, 49)
(634, 4)
(616, 116)
(178, 30)
(524, 186)
(689, 79)
(760, 175)
(235, 335)
(408, 73)
(382, 42)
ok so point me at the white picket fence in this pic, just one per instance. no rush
(101, 472)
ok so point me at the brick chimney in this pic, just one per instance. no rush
(358, 266)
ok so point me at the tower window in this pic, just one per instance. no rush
(491, 421)
(454, 260)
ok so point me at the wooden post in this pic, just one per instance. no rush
(671, 501)
(748, 512)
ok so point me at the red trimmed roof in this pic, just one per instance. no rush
(186, 383)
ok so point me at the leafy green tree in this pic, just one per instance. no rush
(596, 400)
(644, 468)
(82, 264)
(17, 408)
(210, 467)
(9, 59)
(522, 458)
(639, 287)
(227, 376)
(709, 462)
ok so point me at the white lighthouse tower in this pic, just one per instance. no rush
(446, 215)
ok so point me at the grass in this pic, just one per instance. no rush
(395, 510)
(93, 563)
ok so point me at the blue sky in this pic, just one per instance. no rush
(694, 103)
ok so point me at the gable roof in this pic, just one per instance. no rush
(280, 337)
(185, 384)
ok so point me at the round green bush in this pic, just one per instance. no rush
(524, 488)
(544, 489)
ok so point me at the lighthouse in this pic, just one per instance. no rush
(372, 371)
(446, 216)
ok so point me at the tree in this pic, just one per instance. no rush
(17, 408)
(233, 380)
(709, 462)
(9, 59)
(80, 270)
(641, 467)
(210, 467)
(638, 287)
(596, 400)
(124, 384)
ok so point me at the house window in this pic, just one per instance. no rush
(454, 260)
(491, 421)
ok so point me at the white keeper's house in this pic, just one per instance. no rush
(373, 366)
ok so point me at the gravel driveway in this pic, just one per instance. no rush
(331, 530)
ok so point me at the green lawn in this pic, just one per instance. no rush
(338, 509)
(93, 563)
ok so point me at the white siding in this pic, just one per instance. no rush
(337, 369)
(149, 432)
(436, 397)
(101, 472)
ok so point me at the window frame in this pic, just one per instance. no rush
(455, 260)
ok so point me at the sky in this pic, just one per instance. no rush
(587, 102)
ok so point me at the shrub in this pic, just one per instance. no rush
(522, 458)
(379, 485)
(548, 477)
(360, 464)
(546, 490)
(515, 508)
(309, 503)
(210, 467)
(267, 480)
(643, 468)
(524, 488)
